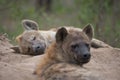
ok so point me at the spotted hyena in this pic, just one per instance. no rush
(64, 58)
(33, 41)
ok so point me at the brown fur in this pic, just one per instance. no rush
(59, 62)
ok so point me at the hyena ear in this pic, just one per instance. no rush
(61, 34)
(30, 25)
(88, 30)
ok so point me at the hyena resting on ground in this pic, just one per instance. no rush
(34, 41)
(63, 60)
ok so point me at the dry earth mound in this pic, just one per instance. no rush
(105, 63)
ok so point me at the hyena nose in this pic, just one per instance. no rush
(40, 49)
(86, 55)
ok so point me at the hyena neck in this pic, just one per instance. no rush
(50, 58)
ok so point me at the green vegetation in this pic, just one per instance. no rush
(102, 14)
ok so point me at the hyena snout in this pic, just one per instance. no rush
(82, 54)
(83, 58)
(39, 48)
(86, 55)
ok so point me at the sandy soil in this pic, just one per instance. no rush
(105, 63)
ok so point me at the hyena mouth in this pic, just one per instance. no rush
(81, 61)
(29, 49)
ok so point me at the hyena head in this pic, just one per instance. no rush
(31, 41)
(75, 44)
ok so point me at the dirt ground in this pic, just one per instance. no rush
(105, 62)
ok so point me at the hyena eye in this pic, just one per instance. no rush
(34, 38)
(87, 44)
(74, 46)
